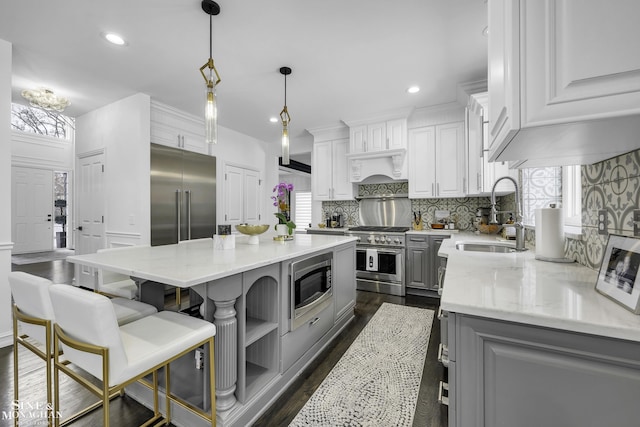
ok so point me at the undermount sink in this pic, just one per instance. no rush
(486, 247)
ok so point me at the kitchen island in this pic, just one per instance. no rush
(532, 343)
(246, 292)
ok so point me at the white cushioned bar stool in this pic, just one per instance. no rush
(87, 331)
(33, 319)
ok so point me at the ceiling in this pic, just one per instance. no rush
(350, 58)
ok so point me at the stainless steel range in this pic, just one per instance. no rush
(380, 248)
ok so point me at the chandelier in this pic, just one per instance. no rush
(45, 99)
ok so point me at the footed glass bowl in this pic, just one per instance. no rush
(253, 231)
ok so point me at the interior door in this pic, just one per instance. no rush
(31, 210)
(90, 235)
(251, 196)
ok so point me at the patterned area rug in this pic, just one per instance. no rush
(22, 259)
(376, 382)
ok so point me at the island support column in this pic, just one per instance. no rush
(223, 293)
(226, 357)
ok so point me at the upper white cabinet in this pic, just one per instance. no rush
(367, 136)
(437, 161)
(563, 75)
(387, 135)
(242, 195)
(330, 170)
(330, 173)
(481, 173)
(177, 129)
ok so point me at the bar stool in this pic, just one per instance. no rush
(33, 319)
(87, 331)
(115, 284)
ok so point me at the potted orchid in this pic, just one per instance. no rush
(281, 200)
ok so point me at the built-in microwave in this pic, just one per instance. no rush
(311, 290)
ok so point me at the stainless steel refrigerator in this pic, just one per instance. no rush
(183, 195)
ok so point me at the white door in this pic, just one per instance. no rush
(233, 194)
(252, 197)
(31, 210)
(90, 234)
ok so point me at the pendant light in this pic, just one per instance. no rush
(286, 118)
(212, 78)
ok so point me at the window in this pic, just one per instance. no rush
(41, 122)
(561, 186)
(572, 195)
(302, 209)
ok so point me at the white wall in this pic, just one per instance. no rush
(122, 129)
(6, 338)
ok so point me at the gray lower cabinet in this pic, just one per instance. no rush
(417, 262)
(422, 262)
(511, 374)
(295, 343)
(344, 289)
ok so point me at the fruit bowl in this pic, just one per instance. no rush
(489, 228)
(253, 231)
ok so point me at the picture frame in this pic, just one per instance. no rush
(619, 275)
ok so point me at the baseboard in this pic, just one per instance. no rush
(6, 339)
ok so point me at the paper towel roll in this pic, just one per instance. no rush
(549, 233)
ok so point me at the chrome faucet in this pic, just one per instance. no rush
(518, 213)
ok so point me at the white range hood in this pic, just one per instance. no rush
(389, 163)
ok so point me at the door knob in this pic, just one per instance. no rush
(80, 228)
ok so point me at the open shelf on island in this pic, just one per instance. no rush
(261, 363)
(257, 328)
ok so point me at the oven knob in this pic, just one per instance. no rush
(377, 239)
(388, 239)
(396, 240)
(370, 239)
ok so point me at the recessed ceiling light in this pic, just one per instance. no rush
(114, 38)
(413, 89)
(273, 120)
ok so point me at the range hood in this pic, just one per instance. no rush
(390, 163)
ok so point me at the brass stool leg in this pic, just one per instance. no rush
(167, 371)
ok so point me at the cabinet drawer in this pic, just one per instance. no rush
(296, 343)
(417, 241)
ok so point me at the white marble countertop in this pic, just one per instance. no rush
(190, 263)
(518, 288)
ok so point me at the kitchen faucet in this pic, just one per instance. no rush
(518, 217)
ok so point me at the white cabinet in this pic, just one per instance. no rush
(242, 195)
(177, 129)
(330, 172)
(437, 161)
(378, 136)
(481, 172)
(561, 77)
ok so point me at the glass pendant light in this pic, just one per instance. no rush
(212, 78)
(286, 118)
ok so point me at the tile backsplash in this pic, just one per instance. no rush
(462, 209)
(612, 185)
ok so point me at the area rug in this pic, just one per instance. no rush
(376, 382)
(22, 259)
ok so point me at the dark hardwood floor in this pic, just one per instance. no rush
(127, 412)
